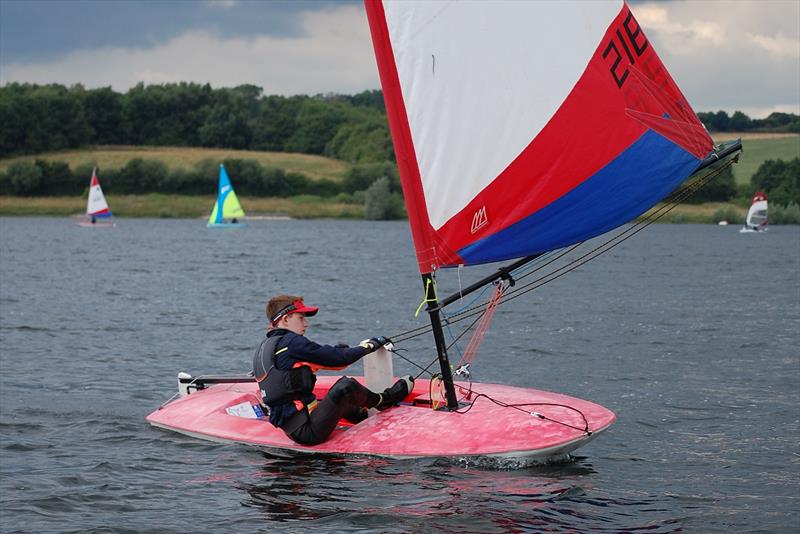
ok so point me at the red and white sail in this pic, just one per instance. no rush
(757, 214)
(521, 127)
(96, 205)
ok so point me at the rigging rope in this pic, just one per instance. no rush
(651, 217)
(538, 415)
(480, 332)
(485, 314)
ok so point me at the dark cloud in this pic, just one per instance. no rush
(44, 30)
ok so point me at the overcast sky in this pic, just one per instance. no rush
(730, 55)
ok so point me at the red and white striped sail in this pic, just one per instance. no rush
(96, 205)
(521, 127)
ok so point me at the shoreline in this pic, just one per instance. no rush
(156, 205)
(160, 206)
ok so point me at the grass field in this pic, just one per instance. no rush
(114, 157)
(758, 148)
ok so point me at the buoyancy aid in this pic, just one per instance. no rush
(280, 386)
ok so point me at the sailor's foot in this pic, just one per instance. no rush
(396, 393)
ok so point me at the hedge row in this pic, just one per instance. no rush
(140, 176)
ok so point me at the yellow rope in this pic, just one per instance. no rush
(425, 298)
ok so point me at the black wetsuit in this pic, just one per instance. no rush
(347, 398)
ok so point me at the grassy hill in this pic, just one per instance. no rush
(758, 148)
(114, 157)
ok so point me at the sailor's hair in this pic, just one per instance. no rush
(276, 304)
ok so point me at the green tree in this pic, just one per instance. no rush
(170, 114)
(370, 99)
(140, 175)
(57, 178)
(720, 188)
(103, 110)
(25, 178)
(380, 203)
(227, 124)
(317, 123)
(276, 121)
(780, 180)
(364, 138)
(740, 122)
(360, 177)
(246, 176)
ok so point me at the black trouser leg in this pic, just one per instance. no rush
(345, 397)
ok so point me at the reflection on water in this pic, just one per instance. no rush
(408, 495)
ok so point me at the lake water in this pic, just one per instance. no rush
(690, 333)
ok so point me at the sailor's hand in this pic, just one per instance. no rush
(374, 343)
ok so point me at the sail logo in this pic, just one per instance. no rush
(225, 189)
(479, 220)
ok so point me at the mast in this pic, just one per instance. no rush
(438, 336)
(434, 306)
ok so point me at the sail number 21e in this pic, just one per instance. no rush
(633, 44)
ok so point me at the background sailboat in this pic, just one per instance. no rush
(756, 220)
(226, 211)
(97, 210)
(520, 128)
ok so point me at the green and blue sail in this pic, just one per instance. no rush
(227, 206)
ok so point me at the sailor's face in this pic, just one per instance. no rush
(297, 323)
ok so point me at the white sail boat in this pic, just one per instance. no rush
(97, 211)
(756, 220)
(519, 128)
(227, 210)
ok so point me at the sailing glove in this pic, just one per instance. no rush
(375, 343)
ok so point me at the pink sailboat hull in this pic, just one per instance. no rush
(412, 429)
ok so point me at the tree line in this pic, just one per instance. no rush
(142, 175)
(779, 178)
(739, 122)
(44, 118)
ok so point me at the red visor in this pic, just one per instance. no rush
(297, 306)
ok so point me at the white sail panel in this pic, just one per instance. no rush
(486, 84)
(96, 203)
(757, 214)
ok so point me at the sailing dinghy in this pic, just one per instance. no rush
(226, 211)
(96, 206)
(520, 128)
(756, 220)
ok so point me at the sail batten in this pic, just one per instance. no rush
(521, 127)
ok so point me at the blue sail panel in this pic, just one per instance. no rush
(617, 193)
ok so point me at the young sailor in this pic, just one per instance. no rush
(284, 365)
